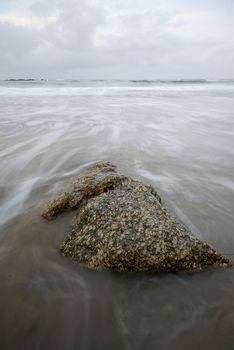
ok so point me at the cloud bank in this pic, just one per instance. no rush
(115, 40)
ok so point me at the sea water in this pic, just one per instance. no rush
(177, 136)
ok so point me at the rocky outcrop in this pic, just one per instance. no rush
(122, 224)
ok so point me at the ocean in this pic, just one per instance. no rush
(175, 135)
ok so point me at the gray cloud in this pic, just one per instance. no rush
(77, 39)
(75, 25)
(15, 41)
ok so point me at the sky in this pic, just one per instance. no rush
(117, 39)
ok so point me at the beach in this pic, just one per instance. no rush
(174, 135)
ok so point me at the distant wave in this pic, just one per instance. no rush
(22, 79)
(183, 81)
(114, 81)
(190, 81)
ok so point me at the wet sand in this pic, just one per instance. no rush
(179, 138)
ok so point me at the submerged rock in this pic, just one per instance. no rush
(122, 224)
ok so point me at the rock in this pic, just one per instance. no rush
(121, 224)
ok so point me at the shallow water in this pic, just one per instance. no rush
(178, 136)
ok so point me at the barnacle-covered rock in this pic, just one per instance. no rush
(121, 224)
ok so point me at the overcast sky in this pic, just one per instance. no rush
(117, 39)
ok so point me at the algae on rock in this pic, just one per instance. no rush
(121, 224)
